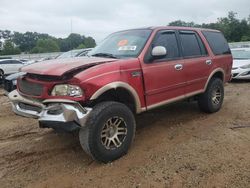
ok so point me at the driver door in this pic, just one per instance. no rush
(164, 78)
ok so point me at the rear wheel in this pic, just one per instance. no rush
(211, 101)
(109, 132)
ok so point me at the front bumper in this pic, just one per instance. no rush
(51, 112)
(239, 73)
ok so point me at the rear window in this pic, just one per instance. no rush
(217, 42)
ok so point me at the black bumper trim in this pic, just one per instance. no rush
(60, 126)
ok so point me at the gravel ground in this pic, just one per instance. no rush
(175, 146)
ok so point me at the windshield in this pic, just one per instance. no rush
(241, 54)
(69, 54)
(124, 44)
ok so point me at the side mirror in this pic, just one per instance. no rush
(159, 51)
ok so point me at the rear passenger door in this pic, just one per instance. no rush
(197, 64)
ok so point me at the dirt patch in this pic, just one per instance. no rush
(175, 146)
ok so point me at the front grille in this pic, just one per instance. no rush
(44, 77)
(30, 107)
(30, 88)
(8, 85)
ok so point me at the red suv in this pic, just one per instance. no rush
(130, 72)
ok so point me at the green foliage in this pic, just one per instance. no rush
(235, 30)
(5, 34)
(232, 28)
(183, 24)
(45, 45)
(28, 41)
(89, 42)
(81, 46)
(74, 40)
(9, 48)
(245, 38)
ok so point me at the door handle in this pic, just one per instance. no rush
(178, 67)
(209, 62)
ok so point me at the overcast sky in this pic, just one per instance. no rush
(99, 18)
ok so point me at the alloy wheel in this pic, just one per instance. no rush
(113, 133)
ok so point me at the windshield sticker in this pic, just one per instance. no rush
(127, 48)
(122, 42)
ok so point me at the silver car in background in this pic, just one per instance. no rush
(9, 66)
(241, 63)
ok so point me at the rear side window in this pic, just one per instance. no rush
(217, 42)
(15, 62)
(192, 45)
(169, 41)
(5, 62)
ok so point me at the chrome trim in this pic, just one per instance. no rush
(115, 85)
(165, 102)
(68, 111)
(178, 67)
(209, 62)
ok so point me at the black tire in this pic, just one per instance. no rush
(210, 101)
(1, 74)
(93, 137)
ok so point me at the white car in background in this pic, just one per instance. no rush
(9, 66)
(241, 63)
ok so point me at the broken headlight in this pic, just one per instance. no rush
(67, 90)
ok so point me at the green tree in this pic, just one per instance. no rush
(181, 23)
(89, 42)
(81, 46)
(245, 38)
(233, 28)
(9, 48)
(45, 45)
(63, 45)
(6, 34)
(74, 40)
(71, 42)
(27, 41)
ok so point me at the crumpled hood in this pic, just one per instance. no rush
(240, 62)
(58, 67)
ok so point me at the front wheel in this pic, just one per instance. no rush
(109, 131)
(211, 101)
(1, 74)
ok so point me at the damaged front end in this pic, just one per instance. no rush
(59, 114)
(52, 93)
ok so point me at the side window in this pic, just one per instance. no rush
(190, 44)
(202, 46)
(169, 41)
(15, 62)
(6, 62)
(217, 42)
